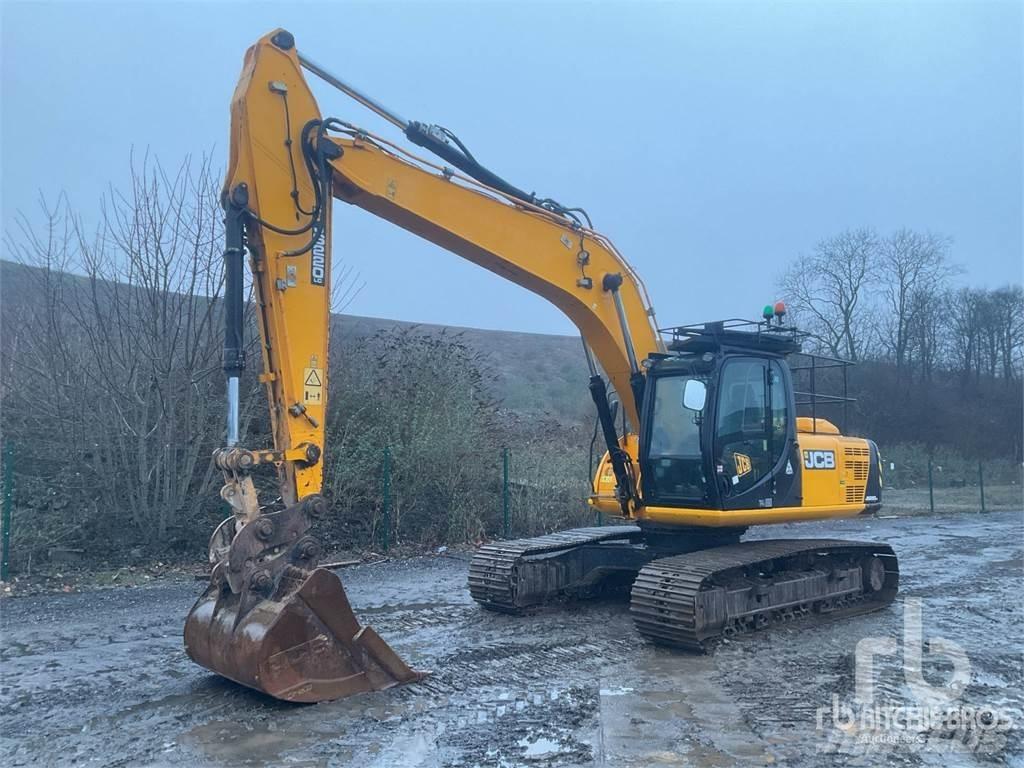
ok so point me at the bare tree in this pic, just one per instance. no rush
(965, 312)
(1006, 317)
(889, 304)
(114, 374)
(912, 270)
(828, 291)
(987, 329)
(925, 332)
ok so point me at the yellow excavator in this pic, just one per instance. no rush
(702, 433)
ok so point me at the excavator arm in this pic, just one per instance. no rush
(270, 619)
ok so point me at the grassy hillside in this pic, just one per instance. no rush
(534, 374)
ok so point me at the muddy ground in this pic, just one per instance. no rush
(101, 679)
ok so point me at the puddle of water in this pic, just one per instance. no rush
(677, 714)
(407, 751)
(541, 747)
(249, 743)
(992, 553)
(13, 650)
(616, 691)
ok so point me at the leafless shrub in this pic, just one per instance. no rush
(548, 487)
(426, 398)
(112, 352)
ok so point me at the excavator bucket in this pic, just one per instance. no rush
(292, 634)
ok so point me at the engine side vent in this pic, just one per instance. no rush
(858, 461)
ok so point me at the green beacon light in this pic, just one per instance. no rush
(768, 312)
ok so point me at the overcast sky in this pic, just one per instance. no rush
(712, 142)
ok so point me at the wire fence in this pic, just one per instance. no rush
(528, 502)
(5, 516)
(939, 487)
(525, 501)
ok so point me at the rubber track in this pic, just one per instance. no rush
(665, 592)
(492, 571)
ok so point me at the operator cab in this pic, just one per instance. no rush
(719, 418)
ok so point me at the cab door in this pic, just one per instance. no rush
(753, 434)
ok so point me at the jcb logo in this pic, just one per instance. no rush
(820, 459)
(318, 263)
(742, 462)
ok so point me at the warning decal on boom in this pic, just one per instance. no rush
(313, 386)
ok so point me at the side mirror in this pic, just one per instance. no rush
(695, 393)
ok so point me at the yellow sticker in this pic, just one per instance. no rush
(742, 464)
(313, 386)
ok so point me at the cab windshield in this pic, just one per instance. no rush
(675, 466)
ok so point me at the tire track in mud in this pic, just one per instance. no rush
(544, 647)
(533, 697)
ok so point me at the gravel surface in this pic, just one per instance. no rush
(101, 679)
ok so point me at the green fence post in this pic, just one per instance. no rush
(386, 499)
(5, 541)
(981, 484)
(505, 499)
(931, 487)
